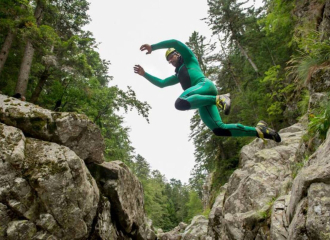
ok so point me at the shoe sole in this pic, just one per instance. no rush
(276, 137)
(227, 108)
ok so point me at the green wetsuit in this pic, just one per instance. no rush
(199, 92)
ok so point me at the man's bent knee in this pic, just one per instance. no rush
(182, 104)
(221, 132)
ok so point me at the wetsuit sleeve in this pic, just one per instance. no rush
(162, 82)
(185, 51)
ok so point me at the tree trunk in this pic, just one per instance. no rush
(25, 68)
(5, 49)
(42, 80)
(229, 67)
(222, 151)
(247, 57)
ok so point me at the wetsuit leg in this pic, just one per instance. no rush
(202, 94)
(211, 117)
(203, 97)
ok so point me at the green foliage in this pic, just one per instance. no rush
(206, 212)
(277, 90)
(304, 102)
(279, 18)
(297, 166)
(194, 205)
(266, 214)
(166, 203)
(320, 123)
(313, 54)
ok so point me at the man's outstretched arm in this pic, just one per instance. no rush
(154, 80)
(183, 49)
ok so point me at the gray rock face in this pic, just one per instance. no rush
(216, 218)
(73, 130)
(279, 223)
(196, 230)
(64, 185)
(126, 196)
(324, 26)
(310, 196)
(174, 234)
(46, 184)
(21, 230)
(207, 191)
(243, 210)
(259, 194)
(310, 11)
(104, 228)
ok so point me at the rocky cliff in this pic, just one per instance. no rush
(275, 193)
(252, 205)
(54, 183)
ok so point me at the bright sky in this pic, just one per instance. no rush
(122, 27)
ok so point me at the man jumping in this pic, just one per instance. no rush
(199, 92)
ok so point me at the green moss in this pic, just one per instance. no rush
(55, 168)
(15, 104)
(7, 100)
(39, 114)
(206, 212)
(325, 235)
(298, 165)
(38, 123)
(1, 131)
(266, 214)
(52, 127)
(90, 179)
(47, 166)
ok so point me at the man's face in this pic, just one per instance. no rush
(173, 59)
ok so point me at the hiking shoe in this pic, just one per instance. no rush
(223, 102)
(265, 132)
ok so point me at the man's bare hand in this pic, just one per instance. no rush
(139, 70)
(146, 47)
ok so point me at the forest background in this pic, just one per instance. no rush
(253, 53)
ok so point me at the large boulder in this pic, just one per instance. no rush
(73, 130)
(174, 234)
(197, 230)
(46, 191)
